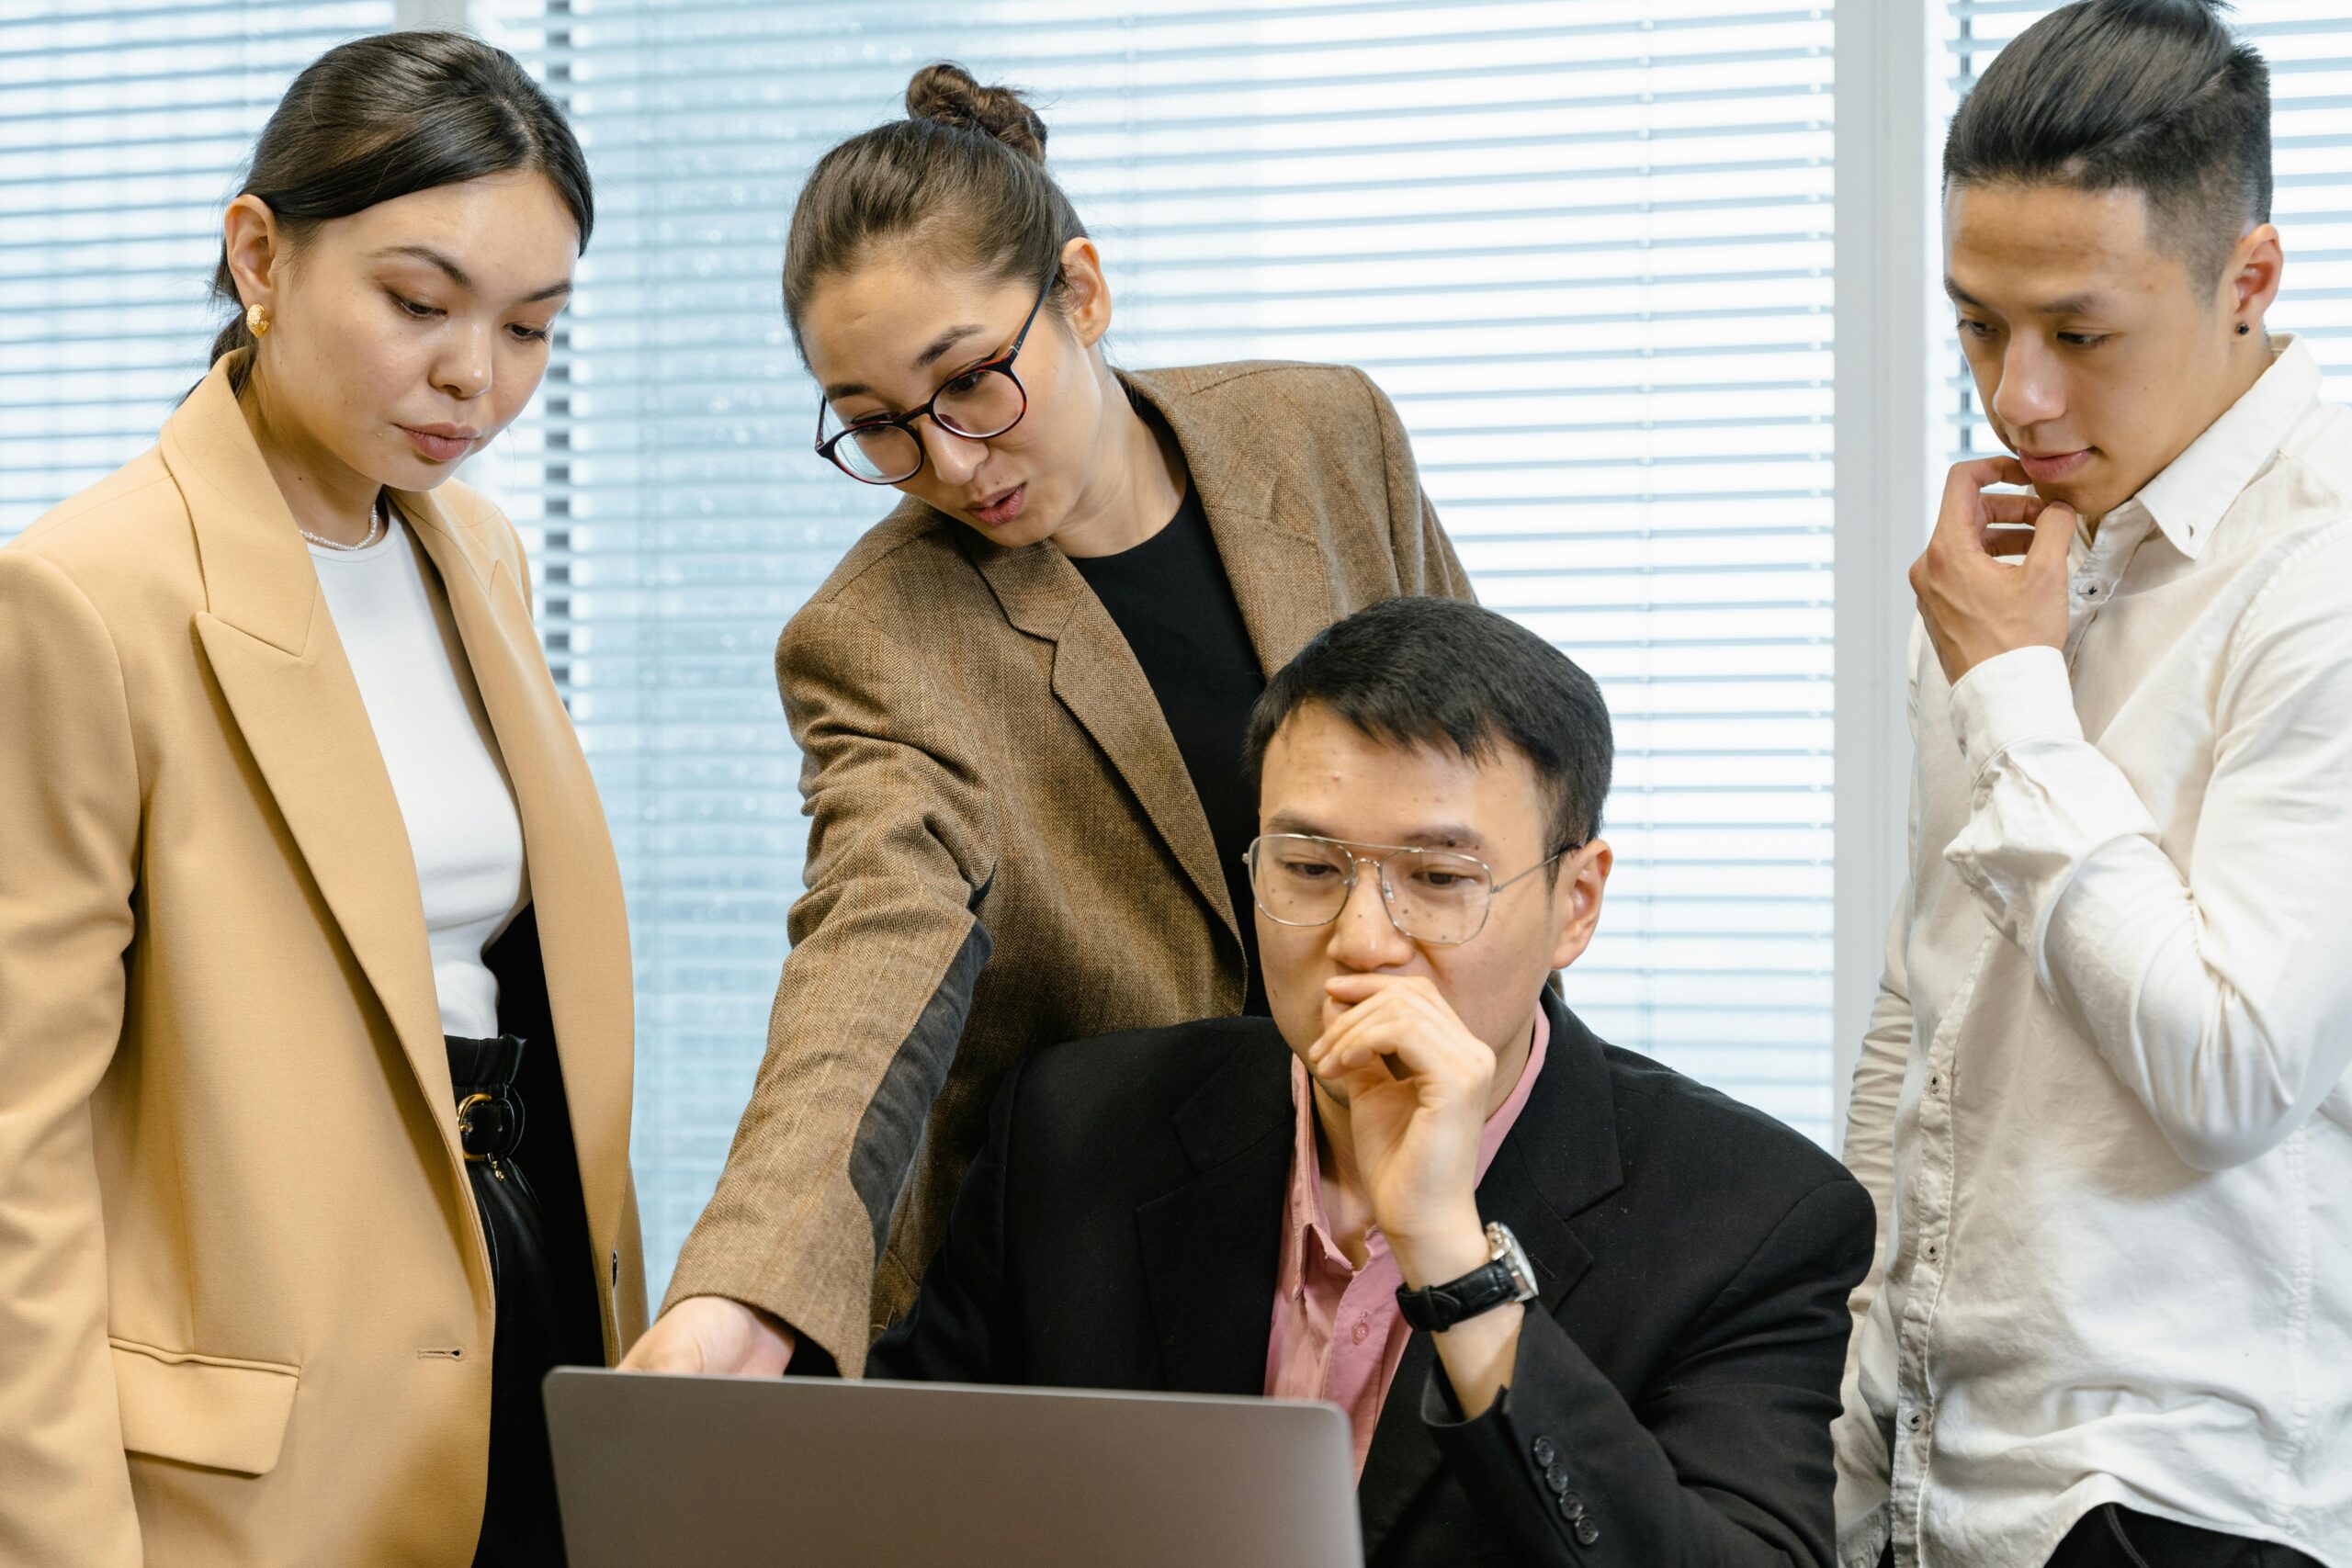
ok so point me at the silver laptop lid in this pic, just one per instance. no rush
(654, 1471)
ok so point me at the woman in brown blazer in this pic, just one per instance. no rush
(1019, 700)
(314, 980)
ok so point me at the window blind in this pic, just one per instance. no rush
(123, 131)
(2308, 46)
(1586, 249)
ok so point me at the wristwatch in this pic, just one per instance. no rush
(1506, 1276)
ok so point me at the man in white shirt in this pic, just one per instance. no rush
(2102, 1103)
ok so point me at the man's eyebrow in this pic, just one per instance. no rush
(2088, 302)
(463, 279)
(1434, 836)
(1442, 836)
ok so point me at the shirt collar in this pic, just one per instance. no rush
(2188, 500)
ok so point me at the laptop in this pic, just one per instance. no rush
(654, 1471)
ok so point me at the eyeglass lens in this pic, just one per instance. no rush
(978, 404)
(1432, 895)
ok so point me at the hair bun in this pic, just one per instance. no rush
(948, 93)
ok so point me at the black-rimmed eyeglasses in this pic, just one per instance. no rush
(1431, 896)
(978, 404)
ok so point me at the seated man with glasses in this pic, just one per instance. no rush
(1577, 1308)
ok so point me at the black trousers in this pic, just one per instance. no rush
(542, 1319)
(2109, 1537)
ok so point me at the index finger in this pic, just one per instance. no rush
(2001, 468)
(1963, 515)
(1969, 481)
(1361, 988)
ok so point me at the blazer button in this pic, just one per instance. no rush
(1588, 1533)
(1556, 1478)
(1544, 1453)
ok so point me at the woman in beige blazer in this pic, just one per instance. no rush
(314, 980)
(1020, 699)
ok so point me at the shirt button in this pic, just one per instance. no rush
(1934, 1083)
(1915, 1421)
(1361, 1331)
(1935, 1253)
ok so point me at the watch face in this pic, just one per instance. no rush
(1504, 1248)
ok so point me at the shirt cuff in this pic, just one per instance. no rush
(2020, 696)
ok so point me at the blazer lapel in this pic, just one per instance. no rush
(273, 650)
(1211, 1247)
(1559, 1159)
(575, 880)
(1097, 679)
(1279, 581)
(1273, 559)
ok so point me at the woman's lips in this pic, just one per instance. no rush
(2052, 470)
(438, 446)
(1004, 509)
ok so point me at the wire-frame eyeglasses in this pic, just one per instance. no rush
(1431, 896)
(978, 404)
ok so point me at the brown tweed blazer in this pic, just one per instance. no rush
(1007, 851)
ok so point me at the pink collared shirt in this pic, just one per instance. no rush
(1337, 1334)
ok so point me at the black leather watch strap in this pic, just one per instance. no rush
(1437, 1308)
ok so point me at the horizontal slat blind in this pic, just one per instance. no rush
(1586, 249)
(123, 131)
(2308, 46)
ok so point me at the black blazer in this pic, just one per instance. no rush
(1121, 1228)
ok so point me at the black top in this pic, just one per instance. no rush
(1121, 1228)
(1171, 600)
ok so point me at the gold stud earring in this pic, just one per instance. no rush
(257, 320)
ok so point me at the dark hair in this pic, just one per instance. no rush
(2152, 95)
(963, 176)
(392, 114)
(1443, 672)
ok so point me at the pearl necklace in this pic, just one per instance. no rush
(376, 525)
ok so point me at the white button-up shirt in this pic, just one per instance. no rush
(2103, 1102)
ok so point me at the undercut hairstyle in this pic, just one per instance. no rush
(961, 179)
(1445, 674)
(2152, 95)
(394, 113)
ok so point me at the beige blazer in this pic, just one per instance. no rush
(245, 1314)
(1007, 851)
